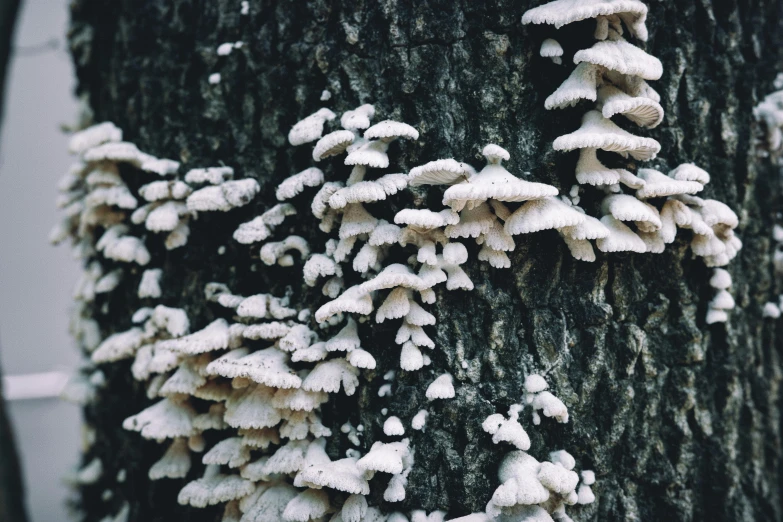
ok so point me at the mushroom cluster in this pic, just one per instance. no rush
(640, 212)
(530, 489)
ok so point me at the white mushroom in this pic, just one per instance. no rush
(441, 388)
(581, 84)
(551, 48)
(563, 12)
(598, 132)
(658, 185)
(211, 175)
(620, 56)
(293, 185)
(440, 172)
(310, 128)
(543, 214)
(214, 488)
(494, 182)
(641, 110)
(333, 144)
(620, 239)
(93, 136)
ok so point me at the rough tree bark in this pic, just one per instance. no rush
(680, 420)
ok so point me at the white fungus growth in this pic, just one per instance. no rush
(551, 48)
(295, 184)
(633, 14)
(419, 420)
(392, 426)
(149, 287)
(507, 430)
(266, 365)
(310, 128)
(223, 197)
(441, 388)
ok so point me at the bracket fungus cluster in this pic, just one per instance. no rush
(641, 212)
(530, 489)
(259, 375)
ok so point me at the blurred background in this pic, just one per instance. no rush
(36, 279)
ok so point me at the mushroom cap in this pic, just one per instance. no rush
(93, 136)
(359, 118)
(590, 228)
(543, 214)
(495, 153)
(623, 57)
(535, 383)
(600, 133)
(163, 420)
(386, 457)
(715, 212)
(293, 185)
(310, 504)
(472, 222)
(393, 427)
(641, 110)
(581, 84)
(370, 154)
(310, 128)
(441, 388)
(628, 208)
(690, 172)
(369, 191)
(550, 48)
(356, 221)
(332, 144)
(389, 130)
(494, 182)
(342, 475)
(394, 275)
(620, 239)
(353, 300)
(426, 219)
(590, 170)
(214, 489)
(720, 279)
(439, 172)
(722, 301)
(658, 185)
(716, 316)
(563, 12)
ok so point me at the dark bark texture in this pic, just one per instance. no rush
(679, 419)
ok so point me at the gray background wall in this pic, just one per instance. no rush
(36, 279)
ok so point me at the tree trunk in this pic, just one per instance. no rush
(679, 419)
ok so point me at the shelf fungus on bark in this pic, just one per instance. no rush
(440, 172)
(310, 128)
(562, 12)
(223, 197)
(441, 388)
(494, 182)
(598, 132)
